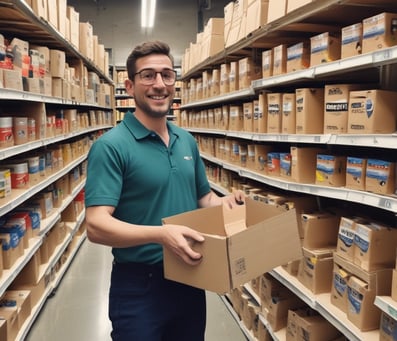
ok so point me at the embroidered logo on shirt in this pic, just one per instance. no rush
(188, 158)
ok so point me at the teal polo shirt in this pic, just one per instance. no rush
(131, 169)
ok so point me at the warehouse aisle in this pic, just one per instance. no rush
(78, 310)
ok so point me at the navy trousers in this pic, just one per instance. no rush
(144, 306)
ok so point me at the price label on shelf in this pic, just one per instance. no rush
(283, 138)
(392, 312)
(386, 203)
(382, 56)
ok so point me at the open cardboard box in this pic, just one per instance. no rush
(240, 244)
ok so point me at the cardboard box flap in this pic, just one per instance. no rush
(193, 219)
(235, 227)
(234, 219)
(255, 211)
(318, 253)
(255, 242)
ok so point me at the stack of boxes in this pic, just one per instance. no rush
(320, 230)
(373, 33)
(66, 20)
(41, 70)
(349, 257)
(45, 71)
(363, 263)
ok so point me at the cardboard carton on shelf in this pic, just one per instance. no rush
(298, 56)
(379, 32)
(267, 63)
(303, 163)
(261, 152)
(258, 11)
(276, 9)
(320, 229)
(274, 112)
(372, 112)
(380, 176)
(294, 4)
(23, 303)
(224, 78)
(233, 241)
(347, 230)
(248, 70)
(276, 313)
(10, 316)
(308, 324)
(340, 278)
(315, 272)
(351, 41)
(260, 114)
(331, 170)
(388, 327)
(285, 165)
(363, 287)
(336, 107)
(271, 289)
(325, 47)
(356, 172)
(279, 59)
(288, 120)
(374, 246)
(309, 110)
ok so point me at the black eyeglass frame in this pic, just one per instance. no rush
(154, 79)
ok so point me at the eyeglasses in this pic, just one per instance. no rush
(148, 76)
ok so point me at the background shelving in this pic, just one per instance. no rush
(62, 230)
(377, 69)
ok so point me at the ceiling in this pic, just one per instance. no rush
(117, 23)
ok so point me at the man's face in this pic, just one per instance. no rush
(156, 99)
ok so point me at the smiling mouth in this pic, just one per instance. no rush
(158, 97)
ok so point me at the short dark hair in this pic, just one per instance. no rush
(145, 49)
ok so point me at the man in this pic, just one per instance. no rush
(140, 171)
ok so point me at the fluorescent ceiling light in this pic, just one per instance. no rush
(148, 11)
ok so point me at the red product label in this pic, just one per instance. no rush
(6, 135)
(19, 180)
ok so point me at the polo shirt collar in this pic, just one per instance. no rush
(139, 131)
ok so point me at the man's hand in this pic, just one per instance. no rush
(236, 198)
(180, 239)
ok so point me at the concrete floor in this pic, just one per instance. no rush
(78, 309)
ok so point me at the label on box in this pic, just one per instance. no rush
(378, 170)
(319, 43)
(234, 111)
(388, 326)
(285, 163)
(295, 52)
(274, 109)
(257, 111)
(326, 163)
(340, 283)
(361, 238)
(355, 299)
(376, 28)
(354, 166)
(287, 107)
(346, 235)
(351, 34)
(336, 106)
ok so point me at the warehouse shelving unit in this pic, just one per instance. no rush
(375, 67)
(18, 19)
